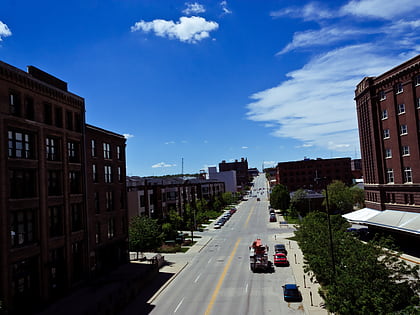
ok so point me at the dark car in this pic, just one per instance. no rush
(273, 218)
(291, 293)
(258, 199)
(280, 259)
(280, 248)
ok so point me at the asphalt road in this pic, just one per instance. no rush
(218, 280)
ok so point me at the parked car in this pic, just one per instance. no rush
(280, 248)
(272, 211)
(291, 293)
(258, 199)
(273, 218)
(280, 259)
(217, 225)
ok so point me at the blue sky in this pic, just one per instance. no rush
(207, 81)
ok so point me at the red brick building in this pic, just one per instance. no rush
(241, 168)
(388, 110)
(47, 222)
(313, 174)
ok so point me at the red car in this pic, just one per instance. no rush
(280, 260)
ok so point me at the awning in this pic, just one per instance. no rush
(397, 220)
(408, 222)
(361, 216)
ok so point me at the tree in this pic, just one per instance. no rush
(227, 198)
(358, 196)
(280, 197)
(299, 202)
(144, 234)
(175, 219)
(368, 279)
(340, 197)
(190, 219)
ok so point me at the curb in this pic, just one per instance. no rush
(166, 284)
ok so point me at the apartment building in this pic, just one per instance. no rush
(313, 174)
(156, 197)
(45, 215)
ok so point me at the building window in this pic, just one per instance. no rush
(98, 233)
(54, 183)
(77, 261)
(382, 95)
(408, 176)
(20, 145)
(29, 108)
(119, 153)
(47, 113)
(417, 80)
(108, 174)
(75, 182)
(388, 153)
(59, 117)
(93, 148)
(405, 150)
(401, 109)
(94, 173)
(69, 120)
(107, 151)
(384, 114)
(56, 221)
(111, 228)
(23, 228)
(390, 176)
(386, 133)
(403, 130)
(418, 102)
(96, 202)
(76, 217)
(22, 183)
(52, 149)
(109, 202)
(14, 104)
(73, 151)
(77, 122)
(119, 174)
(24, 281)
(399, 88)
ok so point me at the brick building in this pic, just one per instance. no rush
(388, 110)
(303, 174)
(155, 197)
(47, 227)
(241, 168)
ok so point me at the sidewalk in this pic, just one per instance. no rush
(312, 301)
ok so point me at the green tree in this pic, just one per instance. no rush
(340, 197)
(175, 219)
(144, 234)
(190, 219)
(358, 196)
(227, 198)
(280, 197)
(368, 279)
(299, 203)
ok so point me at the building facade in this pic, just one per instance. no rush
(313, 174)
(388, 110)
(241, 168)
(228, 177)
(45, 222)
(156, 197)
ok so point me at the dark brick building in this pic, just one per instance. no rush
(388, 110)
(304, 174)
(241, 168)
(48, 225)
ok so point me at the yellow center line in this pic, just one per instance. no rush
(249, 216)
(222, 277)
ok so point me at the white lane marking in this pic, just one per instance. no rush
(179, 305)
(246, 288)
(198, 277)
(210, 260)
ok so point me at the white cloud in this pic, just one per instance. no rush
(4, 31)
(128, 136)
(170, 142)
(163, 164)
(269, 163)
(194, 8)
(315, 107)
(310, 12)
(244, 147)
(381, 9)
(225, 9)
(187, 29)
